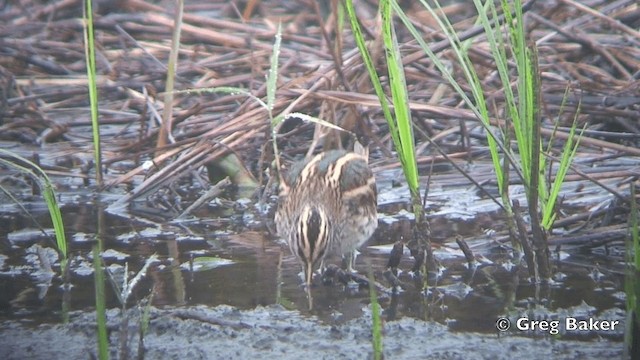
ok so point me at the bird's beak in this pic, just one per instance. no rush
(308, 274)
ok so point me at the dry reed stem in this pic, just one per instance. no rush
(593, 50)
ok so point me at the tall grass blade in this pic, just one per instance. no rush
(90, 56)
(101, 317)
(48, 192)
(478, 104)
(400, 98)
(400, 128)
(568, 153)
(376, 321)
(632, 281)
(371, 69)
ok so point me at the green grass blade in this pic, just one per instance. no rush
(400, 127)
(376, 326)
(633, 228)
(632, 276)
(101, 317)
(568, 153)
(56, 220)
(90, 56)
(499, 50)
(400, 98)
(478, 105)
(371, 69)
(46, 187)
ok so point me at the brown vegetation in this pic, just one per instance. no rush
(592, 51)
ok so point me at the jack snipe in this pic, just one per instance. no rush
(327, 206)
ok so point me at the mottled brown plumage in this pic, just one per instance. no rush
(327, 206)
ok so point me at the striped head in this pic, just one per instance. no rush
(310, 240)
(327, 206)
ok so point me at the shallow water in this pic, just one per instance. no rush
(225, 287)
(247, 267)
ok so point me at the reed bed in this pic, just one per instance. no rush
(587, 55)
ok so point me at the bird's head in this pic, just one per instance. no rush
(310, 240)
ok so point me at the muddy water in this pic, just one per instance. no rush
(228, 257)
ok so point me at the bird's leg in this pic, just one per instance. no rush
(350, 260)
(302, 275)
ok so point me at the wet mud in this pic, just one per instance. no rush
(225, 332)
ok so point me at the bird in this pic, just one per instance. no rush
(327, 206)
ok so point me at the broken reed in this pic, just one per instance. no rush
(167, 114)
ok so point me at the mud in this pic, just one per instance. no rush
(224, 332)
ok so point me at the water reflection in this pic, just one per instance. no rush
(261, 271)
